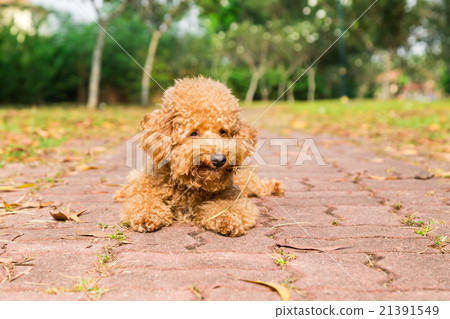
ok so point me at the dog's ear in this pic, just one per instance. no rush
(156, 136)
(246, 138)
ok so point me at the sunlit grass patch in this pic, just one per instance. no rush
(409, 127)
(32, 134)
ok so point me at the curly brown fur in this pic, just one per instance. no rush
(185, 190)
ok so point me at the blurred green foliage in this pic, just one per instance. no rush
(54, 67)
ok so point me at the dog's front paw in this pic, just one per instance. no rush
(150, 222)
(228, 224)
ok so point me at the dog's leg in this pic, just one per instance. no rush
(121, 194)
(234, 220)
(145, 213)
(258, 187)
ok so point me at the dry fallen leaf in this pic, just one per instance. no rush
(408, 152)
(75, 215)
(67, 215)
(71, 159)
(308, 248)
(87, 167)
(29, 205)
(9, 206)
(93, 233)
(338, 180)
(281, 290)
(378, 178)
(59, 216)
(423, 175)
(13, 188)
(382, 178)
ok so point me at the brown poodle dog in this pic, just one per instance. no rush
(196, 144)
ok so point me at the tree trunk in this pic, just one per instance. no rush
(225, 76)
(148, 66)
(290, 93)
(385, 86)
(252, 88)
(362, 90)
(96, 69)
(311, 84)
(264, 90)
(281, 88)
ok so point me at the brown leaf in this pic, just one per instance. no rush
(338, 180)
(423, 175)
(87, 167)
(25, 185)
(59, 216)
(67, 215)
(75, 215)
(26, 271)
(382, 178)
(309, 248)
(408, 152)
(378, 178)
(13, 188)
(71, 159)
(9, 206)
(36, 205)
(284, 293)
(93, 233)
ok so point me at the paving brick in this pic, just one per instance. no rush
(164, 265)
(417, 271)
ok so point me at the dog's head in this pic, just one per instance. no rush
(198, 133)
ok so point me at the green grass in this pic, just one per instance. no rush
(30, 134)
(423, 231)
(423, 127)
(40, 133)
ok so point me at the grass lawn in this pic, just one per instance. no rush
(30, 134)
(409, 128)
(34, 134)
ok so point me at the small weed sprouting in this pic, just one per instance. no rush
(423, 231)
(102, 179)
(89, 286)
(410, 220)
(103, 226)
(397, 206)
(118, 235)
(281, 258)
(103, 259)
(126, 225)
(439, 242)
(196, 291)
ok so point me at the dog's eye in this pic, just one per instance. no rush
(194, 134)
(223, 132)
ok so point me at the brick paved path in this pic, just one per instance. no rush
(344, 208)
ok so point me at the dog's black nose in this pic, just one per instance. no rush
(218, 160)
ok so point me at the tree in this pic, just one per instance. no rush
(158, 16)
(96, 65)
(250, 44)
